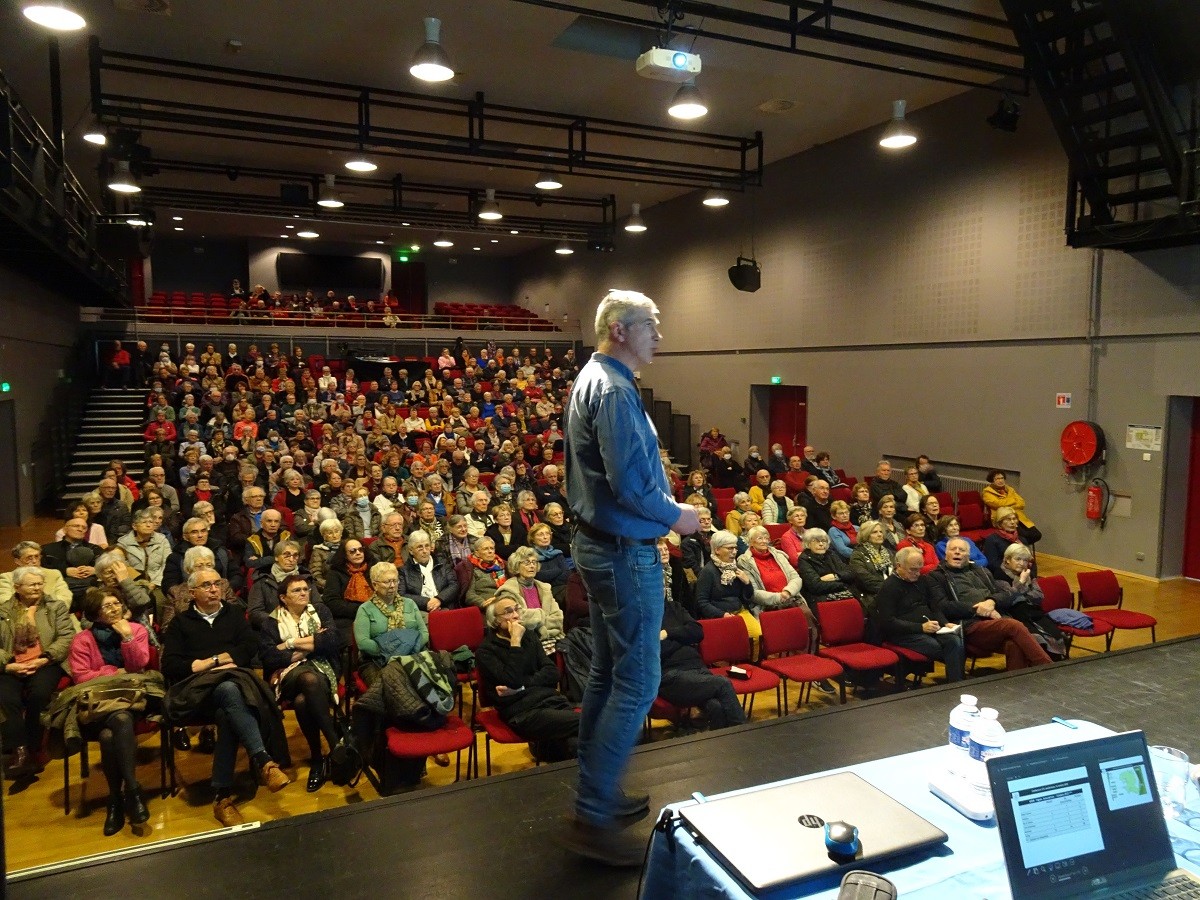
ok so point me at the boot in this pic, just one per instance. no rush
(114, 821)
(135, 809)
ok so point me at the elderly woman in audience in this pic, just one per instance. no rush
(885, 514)
(307, 519)
(861, 508)
(428, 578)
(555, 566)
(722, 587)
(527, 507)
(931, 511)
(301, 657)
(363, 520)
(120, 579)
(825, 575)
(776, 504)
(479, 519)
(457, 541)
(695, 547)
(949, 527)
(29, 553)
(1007, 533)
(145, 548)
(179, 597)
(697, 483)
(291, 495)
(427, 520)
(871, 562)
(915, 531)
(1021, 598)
(506, 533)
(555, 516)
(207, 653)
(482, 574)
(914, 488)
(111, 645)
(265, 592)
(387, 624)
(464, 495)
(997, 494)
(792, 540)
(35, 637)
(842, 533)
(521, 680)
(540, 612)
(733, 518)
(774, 580)
(347, 586)
(84, 510)
(329, 539)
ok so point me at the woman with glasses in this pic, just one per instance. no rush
(347, 586)
(386, 624)
(264, 594)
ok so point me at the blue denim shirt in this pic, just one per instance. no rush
(615, 478)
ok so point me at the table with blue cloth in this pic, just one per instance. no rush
(969, 866)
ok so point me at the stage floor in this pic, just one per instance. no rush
(493, 838)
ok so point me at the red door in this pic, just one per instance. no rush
(788, 418)
(1191, 534)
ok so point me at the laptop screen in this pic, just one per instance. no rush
(1079, 818)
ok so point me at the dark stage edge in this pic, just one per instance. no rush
(493, 838)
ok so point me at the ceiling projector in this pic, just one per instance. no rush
(668, 65)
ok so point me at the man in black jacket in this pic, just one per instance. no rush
(427, 578)
(211, 637)
(521, 681)
(73, 558)
(908, 611)
(882, 484)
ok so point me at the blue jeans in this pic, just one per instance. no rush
(625, 586)
(235, 724)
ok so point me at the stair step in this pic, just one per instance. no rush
(1142, 195)
(1098, 84)
(1136, 167)
(1066, 24)
(1108, 111)
(1088, 53)
(1134, 138)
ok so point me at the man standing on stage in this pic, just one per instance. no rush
(618, 490)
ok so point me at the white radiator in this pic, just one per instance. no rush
(954, 484)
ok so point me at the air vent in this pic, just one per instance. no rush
(776, 106)
(153, 7)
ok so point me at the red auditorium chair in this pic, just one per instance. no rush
(661, 709)
(1101, 596)
(1056, 594)
(785, 653)
(842, 625)
(450, 629)
(945, 501)
(912, 662)
(841, 493)
(777, 531)
(453, 737)
(727, 641)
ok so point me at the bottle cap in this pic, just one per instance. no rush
(988, 713)
(968, 700)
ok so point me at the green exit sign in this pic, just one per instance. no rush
(776, 379)
(5, 387)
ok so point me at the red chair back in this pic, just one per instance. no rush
(945, 501)
(725, 640)
(970, 518)
(727, 493)
(1098, 589)
(777, 531)
(450, 629)
(1056, 593)
(841, 493)
(969, 498)
(784, 631)
(840, 621)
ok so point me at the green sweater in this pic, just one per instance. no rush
(369, 622)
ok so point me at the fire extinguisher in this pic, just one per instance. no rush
(1098, 496)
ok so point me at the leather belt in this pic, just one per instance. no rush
(605, 538)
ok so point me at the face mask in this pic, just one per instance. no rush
(412, 501)
(754, 455)
(779, 453)
(362, 502)
(727, 456)
(506, 488)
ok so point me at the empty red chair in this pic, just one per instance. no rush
(945, 501)
(785, 643)
(777, 531)
(727, 641)
(1101, 589)
(841, 493)
(1056, 594)
(453, 737)
(842, 624)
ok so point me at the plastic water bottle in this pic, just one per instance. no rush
(962, 718)
(986, 741)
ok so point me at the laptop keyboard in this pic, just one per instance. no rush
(1178, 887)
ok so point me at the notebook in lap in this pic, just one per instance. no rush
(1084, 820)
(776, 835)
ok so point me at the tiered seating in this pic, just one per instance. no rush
(472, 315)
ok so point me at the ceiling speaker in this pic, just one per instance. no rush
(746, 275)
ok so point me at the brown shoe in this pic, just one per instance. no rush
(272, 777)
(609, 846)
(226, 813)
(442, 759)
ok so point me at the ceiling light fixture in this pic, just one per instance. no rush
(476, 248)
(897, 135)
(180, 219)
(54, 16)
(328, 195)
(96, 134)
(360, 163)
(122, 180)
(136, 221)
(548, 181)
(414, 247)
(307, 233)
(564, 249)
(442, 241)
(289, 226)
(379, 242)
(285, 235)
(1007, 115)
(431, 62)
(489, 211)
(688, 103)
(513, 231)
(177, 228)
(715, 198)
(635, 224)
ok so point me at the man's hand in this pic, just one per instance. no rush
(120, 570)
(829, 577)
(662, 635)
(985, 608)
(688, 521)
(930, 627)
(433, 604)
(516, 631)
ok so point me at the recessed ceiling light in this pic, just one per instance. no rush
(513, 231)
(54, 16)
(361, 164)
(495, 240)
(289, 226)
(379, 242)
(307, 234)
(414, 247)
(405, 224)
(564, 249)
(285, 235)
(476, 248)
(442, 241)
(176, 218)
(178, 228)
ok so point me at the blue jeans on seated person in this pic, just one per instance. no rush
(946, 647)
(236, 723)
(625, 586)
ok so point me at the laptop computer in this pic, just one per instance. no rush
(1083, 820)
(776, 835)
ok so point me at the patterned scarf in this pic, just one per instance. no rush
(290, 629)
(357, 588)
(495, 569)
(393, 613)
(728, 571)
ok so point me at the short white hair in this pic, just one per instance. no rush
(621, 306)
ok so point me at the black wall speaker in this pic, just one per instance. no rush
(745, 275)
(294, 194)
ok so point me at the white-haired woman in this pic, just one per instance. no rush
(387, 625)
(146, 549)
(540, 612)
(773, 580)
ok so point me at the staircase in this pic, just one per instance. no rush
(111, 428)
(1121, 120)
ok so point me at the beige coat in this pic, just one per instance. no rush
(548, 620)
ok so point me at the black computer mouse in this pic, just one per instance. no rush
(841, 838)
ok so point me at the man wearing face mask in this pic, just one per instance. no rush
(753, 463)
(724, 472)
(777, 463)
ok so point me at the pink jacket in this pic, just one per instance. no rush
(86, 663)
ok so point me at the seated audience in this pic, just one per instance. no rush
(997, 495)
(121, 580)
(909, 613)
(1007, 533)
(330, 532)
(824, 575)
(427, 578)
(507, 533)
(914, 536)
(74, 559)
(695, 547)
(540, 612)
(207, 653)
(861, 507)
(792, 541)
(387, 624)
(28, 554)
(931, 511)
(929, 475)
(179, 597)
(949, 527)
(83, 510)
(265, 592)
(347, 586)
(554, 515)
(363, 521)
(885, 515)
(456, 542)
(884, 486)
(1021, 598)
(482, 574)
(870, 563)
(815, 499)
(145, 548)
(773, 580)
(777, 504)
(733, 518)
(914, 489)
(842, 533)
